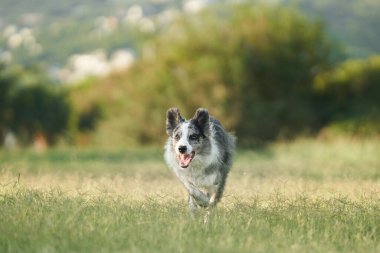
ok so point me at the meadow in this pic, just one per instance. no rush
(303, 196)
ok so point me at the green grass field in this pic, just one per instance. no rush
(306, 196)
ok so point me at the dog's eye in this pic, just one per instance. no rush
(194, 137)
(177, 137)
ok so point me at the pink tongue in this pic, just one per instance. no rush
(184, 160)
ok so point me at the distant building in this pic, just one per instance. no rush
(194, 6)
(96, 64)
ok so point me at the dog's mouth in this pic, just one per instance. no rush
(185, 159)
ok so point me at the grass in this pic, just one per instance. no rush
(35, 221)
(306, 196)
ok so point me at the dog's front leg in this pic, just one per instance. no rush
(211, 206)
(193, 207)
(199, 197)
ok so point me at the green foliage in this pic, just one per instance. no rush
(251, 67)
(40, 109)
(31, 105)
(349, 95)
(6, 81)
(89, 119)
(280, 51)
(264, 72)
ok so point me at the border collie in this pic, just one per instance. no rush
(199, 151)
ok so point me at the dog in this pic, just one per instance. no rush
(199, 152)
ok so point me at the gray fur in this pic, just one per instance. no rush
(205, 177)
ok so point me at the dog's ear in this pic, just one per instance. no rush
(202, 120)
(173, 118)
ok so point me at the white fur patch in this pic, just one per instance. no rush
(184, 141)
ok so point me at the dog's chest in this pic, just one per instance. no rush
(201, 180)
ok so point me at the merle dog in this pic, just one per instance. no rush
(199, 151)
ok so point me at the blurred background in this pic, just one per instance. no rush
(84, 73)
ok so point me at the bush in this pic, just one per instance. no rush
(6, 81)
(42, 110)
(31, 106)
(89, 119)
(349, 96)
(252, 67)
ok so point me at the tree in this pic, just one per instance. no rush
(31, 105)
(253, 67)
(349, 97)
(40, 109)
(6, 82)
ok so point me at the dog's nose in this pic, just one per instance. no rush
(182, 149)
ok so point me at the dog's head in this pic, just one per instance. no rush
(189, 137)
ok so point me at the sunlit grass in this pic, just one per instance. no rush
(38, 221)
(307, 196)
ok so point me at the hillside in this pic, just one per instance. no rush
(51, 32)
(356, 24)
